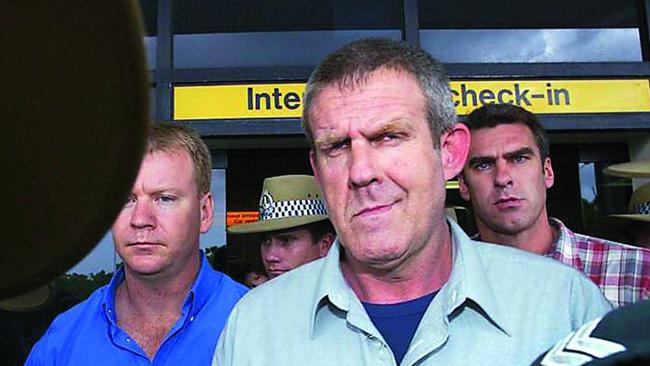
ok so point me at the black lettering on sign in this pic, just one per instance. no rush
(275, 99)
(292, 100)
(515, 94)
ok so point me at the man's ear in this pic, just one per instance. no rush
(454, 147)
(325, 243)
(207, 211)
(462, 188)
(549, 176)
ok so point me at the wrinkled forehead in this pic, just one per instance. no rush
(502, 138)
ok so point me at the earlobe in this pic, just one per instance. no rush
(454, 147)
(207, 211)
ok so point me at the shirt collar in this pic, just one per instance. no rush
(196, 298)
(563, 247)
(466, 282)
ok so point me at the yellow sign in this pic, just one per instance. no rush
(555, 96)
(238, 101)
(539, 96)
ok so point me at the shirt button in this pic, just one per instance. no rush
(128, 339)
(191, 318)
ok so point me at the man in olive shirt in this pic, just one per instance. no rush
(401, 284)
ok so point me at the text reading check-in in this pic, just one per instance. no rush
(539, 96)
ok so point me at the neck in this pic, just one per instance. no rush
(536, 239)
(422, 273)
(152, 295)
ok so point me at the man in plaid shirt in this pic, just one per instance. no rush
(506, 177)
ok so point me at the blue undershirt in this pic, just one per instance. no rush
(397, 322)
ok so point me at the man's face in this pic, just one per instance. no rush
(286, 250)
(506, 180)
(380, 174)
(157, 231)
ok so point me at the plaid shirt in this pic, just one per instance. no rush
(621, 271)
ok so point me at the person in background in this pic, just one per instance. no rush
(401, 284)
(165, 305)
(293, 225)
(505, 179)
(255, 277)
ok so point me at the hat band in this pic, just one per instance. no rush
(293, 208)
(643, 208)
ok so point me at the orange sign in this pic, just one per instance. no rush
(241, 217)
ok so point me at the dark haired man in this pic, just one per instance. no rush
(506, 177)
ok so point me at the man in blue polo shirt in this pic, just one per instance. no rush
(165, 305)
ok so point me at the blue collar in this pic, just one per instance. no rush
(197, 296)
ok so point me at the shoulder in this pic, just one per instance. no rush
(289, 291)
(85, 310)
(225, 285)
(507, 267)
(66, 326)
(516, 260)
(612, 248)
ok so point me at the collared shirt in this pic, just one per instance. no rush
(88, 333)
(500, 306)
(621, 271)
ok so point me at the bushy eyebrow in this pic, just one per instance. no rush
(329, 139)
(392, 127)
(477, 160)
(519, 152)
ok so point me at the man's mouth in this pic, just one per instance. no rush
(142, 244)
(276, 272)
(374, 210)
(508, 202)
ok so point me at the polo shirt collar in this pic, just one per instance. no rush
(196, 298)
(466, 282)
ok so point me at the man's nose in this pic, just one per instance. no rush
(271, 253)
(502, 174)
(363, 167)
(142, 215)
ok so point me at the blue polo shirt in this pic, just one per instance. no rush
(88, 334)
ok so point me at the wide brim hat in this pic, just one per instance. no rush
(286, 202)
(75, 102)
(29, 301)
(612, 226)
(633, 169)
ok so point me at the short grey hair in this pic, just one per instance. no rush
(352, 64)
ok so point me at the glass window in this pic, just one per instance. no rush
(532, 45)
(263, 49)
(530, 31)
(275, 32)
